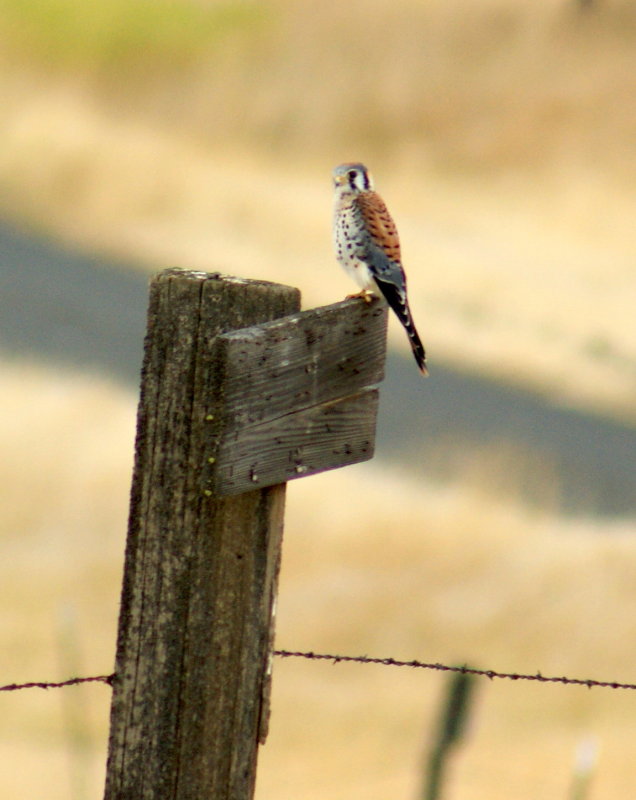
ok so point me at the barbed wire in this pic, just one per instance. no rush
(465, 670)
(12, 687)
(492, 674)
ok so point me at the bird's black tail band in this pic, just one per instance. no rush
(417, 347)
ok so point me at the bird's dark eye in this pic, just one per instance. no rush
(352, 174)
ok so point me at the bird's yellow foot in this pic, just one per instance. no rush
(366, 295)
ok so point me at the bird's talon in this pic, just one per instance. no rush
(365, 295)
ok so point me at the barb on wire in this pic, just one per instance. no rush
(486, 673)
(12, 687)
(387, 662)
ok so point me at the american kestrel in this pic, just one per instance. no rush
(368, 247)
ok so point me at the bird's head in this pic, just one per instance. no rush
(352, 178)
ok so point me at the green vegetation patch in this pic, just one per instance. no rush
(104, 34)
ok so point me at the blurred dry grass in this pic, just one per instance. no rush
(407, 570)
(67, 448)
(475, 86)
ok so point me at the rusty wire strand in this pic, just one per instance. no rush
(466, 670)
(590, 683)
(12, 687)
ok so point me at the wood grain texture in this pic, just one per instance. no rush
(196, 623)
(297, 395)
(331, 434)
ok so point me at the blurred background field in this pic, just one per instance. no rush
(500, 133)
(202, 134)
(444, 573)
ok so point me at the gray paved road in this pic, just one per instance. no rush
(67, 307)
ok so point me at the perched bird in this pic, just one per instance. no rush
(368, 248)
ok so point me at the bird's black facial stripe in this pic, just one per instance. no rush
(353, 176)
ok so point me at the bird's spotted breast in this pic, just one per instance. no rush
(351, 241)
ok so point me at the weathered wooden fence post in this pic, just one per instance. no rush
(239, 394)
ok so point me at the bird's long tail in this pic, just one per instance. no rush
(416, 345)
(396, 298)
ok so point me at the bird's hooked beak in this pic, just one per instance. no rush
(339, 179)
